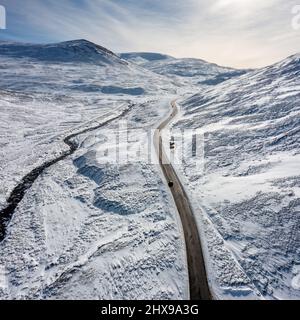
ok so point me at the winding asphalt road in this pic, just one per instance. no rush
(199, 289)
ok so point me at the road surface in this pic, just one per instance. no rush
(199, 289)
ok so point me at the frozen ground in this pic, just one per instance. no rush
(247, 197)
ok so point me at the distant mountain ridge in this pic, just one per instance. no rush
(185, 71)
(197, 70)
(70, 51)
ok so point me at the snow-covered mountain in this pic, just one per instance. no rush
(74, 66)
(248, 197)
(197, 71)
(82, 51)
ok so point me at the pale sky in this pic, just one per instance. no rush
(237, 33)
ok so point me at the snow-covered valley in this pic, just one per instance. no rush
(85, 229)
(91, 227)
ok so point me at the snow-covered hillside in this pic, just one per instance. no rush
(42, 100)
(187, 70)
(77, 67)
(247, 199)
(86, 229)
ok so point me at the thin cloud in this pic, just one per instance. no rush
(239, 33)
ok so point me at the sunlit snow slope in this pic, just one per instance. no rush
(248, 197)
